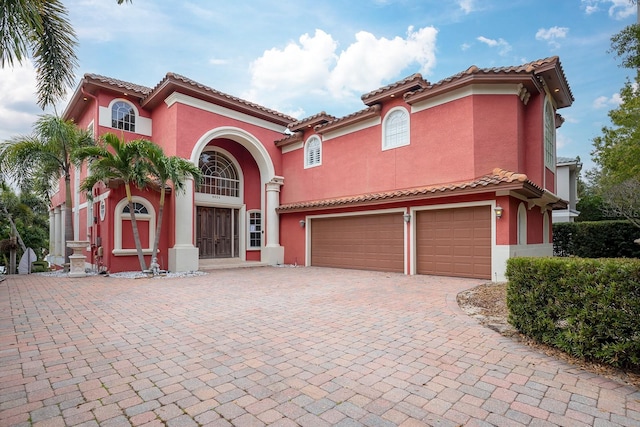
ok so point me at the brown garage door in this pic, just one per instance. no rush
(454, 242)
(365, 242)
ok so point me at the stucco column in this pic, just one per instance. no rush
(52, 233)
(184, 255)
(57, 237)
(273, 253)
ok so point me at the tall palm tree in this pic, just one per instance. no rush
(46, 156)
(40, 29)
(115, 159)
(174, 170)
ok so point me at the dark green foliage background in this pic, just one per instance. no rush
(601, 239)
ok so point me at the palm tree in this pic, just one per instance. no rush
(40, 29)
(116, 159)
(46, 156)
(174, 170)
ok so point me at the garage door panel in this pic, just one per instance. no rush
(368, 242)
(454, 242)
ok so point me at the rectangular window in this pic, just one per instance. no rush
(255, 229)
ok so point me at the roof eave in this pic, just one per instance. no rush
(171, 85)
(526, 79)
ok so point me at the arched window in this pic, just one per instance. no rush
(549, 136)
(395, 129)
(124, 244)
(545, 227)
(123, 116)
(313, 152)
(219, 175)
(522, 224)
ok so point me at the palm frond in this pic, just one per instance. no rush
(54, 53)
(18, 21)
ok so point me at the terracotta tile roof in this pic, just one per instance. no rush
(499, 177)
(121, 84)
(198, 87)
(347, 120)
(531, 68)
(320, 118)
(289, 139)
(413, 82)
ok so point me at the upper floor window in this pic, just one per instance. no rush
(395, 129)
(123, 116)
(549, 136)
(313, 152)
(219, 175)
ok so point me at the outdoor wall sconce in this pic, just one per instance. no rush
(302, 223)
(498, 210)
(406, 217)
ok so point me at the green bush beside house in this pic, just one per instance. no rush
(588, 308)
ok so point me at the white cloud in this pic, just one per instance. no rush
(617, 9)
(607, 102)
(562, 140)
(312, 66)
(465, 46)
(218, 61)
(503, 46)
(552, 35)
(18, 108)
(370, 61)
(467, 6)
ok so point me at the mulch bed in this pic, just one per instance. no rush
(487, 303)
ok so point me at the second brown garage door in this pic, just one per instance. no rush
(364, 242)
(454, 242)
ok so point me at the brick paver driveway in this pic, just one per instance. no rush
(279, 346)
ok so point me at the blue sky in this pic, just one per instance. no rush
(301, 57)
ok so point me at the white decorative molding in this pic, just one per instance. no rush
(474, 89)
(222, 111)
(375, 121)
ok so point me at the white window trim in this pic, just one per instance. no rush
(545, 227)
(133, 107)
(385, 146)
(248, 234)
(205, 199)
(522, 224)
(118, 227)
(549, 162)
(308, 165)
(143, 124)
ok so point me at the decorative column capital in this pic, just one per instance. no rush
(275, 183)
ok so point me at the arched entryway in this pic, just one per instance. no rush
(220, 202)
(260, 219)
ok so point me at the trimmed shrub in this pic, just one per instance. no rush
(588, 308)
(601, 239)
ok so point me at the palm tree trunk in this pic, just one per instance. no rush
(68, 218)
(134, 226)
(156, 241)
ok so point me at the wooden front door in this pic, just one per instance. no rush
(214, 234)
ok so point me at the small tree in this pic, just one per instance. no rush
(174, 170)
(115, 159)
(45, 156)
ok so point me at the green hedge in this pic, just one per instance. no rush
(588, 308)
(598, 239)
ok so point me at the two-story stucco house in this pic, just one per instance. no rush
(447, 178)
